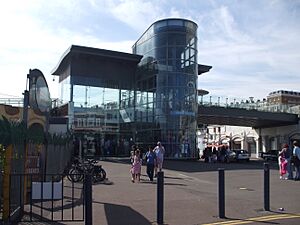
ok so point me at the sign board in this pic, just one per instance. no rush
(47, 190)
(125, 116)
(39, 95)
(32, 164)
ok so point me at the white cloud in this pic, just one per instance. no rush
(252, 42)
(26, 44)
(265, 54)
(137, 14)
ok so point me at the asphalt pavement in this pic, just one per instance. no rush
(191, 195)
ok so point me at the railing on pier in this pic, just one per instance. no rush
(221, 101)
(12, 101)
(250, 104)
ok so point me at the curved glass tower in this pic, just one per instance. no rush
(166, 84)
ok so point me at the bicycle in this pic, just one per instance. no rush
(79, 169)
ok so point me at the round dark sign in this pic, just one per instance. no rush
(39, 91)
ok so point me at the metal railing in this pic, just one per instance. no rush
(54, 200)
(221, 101)
(18, 102)
(12, 101)
(249, 104)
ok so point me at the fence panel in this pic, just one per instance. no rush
(55, 200)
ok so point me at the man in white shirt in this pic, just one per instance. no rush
(159, 151)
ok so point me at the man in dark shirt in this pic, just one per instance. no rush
(150, 162)
(296, 159)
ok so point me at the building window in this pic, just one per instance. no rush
(98, 122)
(79, 122)
(83, 122)
(90, 122)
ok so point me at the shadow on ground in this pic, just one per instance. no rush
(121, 214)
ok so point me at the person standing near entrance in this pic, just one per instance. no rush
(159, 151)
(282, 160)
(296, 159)
(150, 158)
(288, 156)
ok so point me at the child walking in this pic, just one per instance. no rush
(136, 167)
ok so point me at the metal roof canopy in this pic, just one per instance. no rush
(203, 68)
(243, 117)
(107, 68)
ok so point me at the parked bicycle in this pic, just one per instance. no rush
(80, 168)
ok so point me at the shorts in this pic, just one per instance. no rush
(159, 163)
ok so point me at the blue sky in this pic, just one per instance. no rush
(253, 45)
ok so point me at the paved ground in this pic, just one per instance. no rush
(191, 195)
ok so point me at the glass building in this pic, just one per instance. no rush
(115, 99)
(95, 86)
(166, 83)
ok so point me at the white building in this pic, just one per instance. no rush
(255, 140)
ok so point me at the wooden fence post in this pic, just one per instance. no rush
(6, 181)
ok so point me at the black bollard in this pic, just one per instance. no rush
(221, 193)
(88, 199)
(160, 197)
(266, 187)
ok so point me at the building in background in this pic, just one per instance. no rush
(248, 138)
(114, 99)
(284, 97)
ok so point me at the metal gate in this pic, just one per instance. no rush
(50, 198)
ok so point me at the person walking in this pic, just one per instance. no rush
(296, 159)
(136, 167)
(288, 157)
(150, 158)
(214, 155)
(282, 161)
(159, 151)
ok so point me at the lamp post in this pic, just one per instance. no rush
(26, 101)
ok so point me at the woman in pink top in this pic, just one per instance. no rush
(282, 161)
(136, 166)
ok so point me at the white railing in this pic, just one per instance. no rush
(12, 101)
(249, 104)
(230, 102)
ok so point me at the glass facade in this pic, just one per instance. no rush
(97, 112)
(155, 102)
(94, 97)
(166, 87)
(65, 90)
